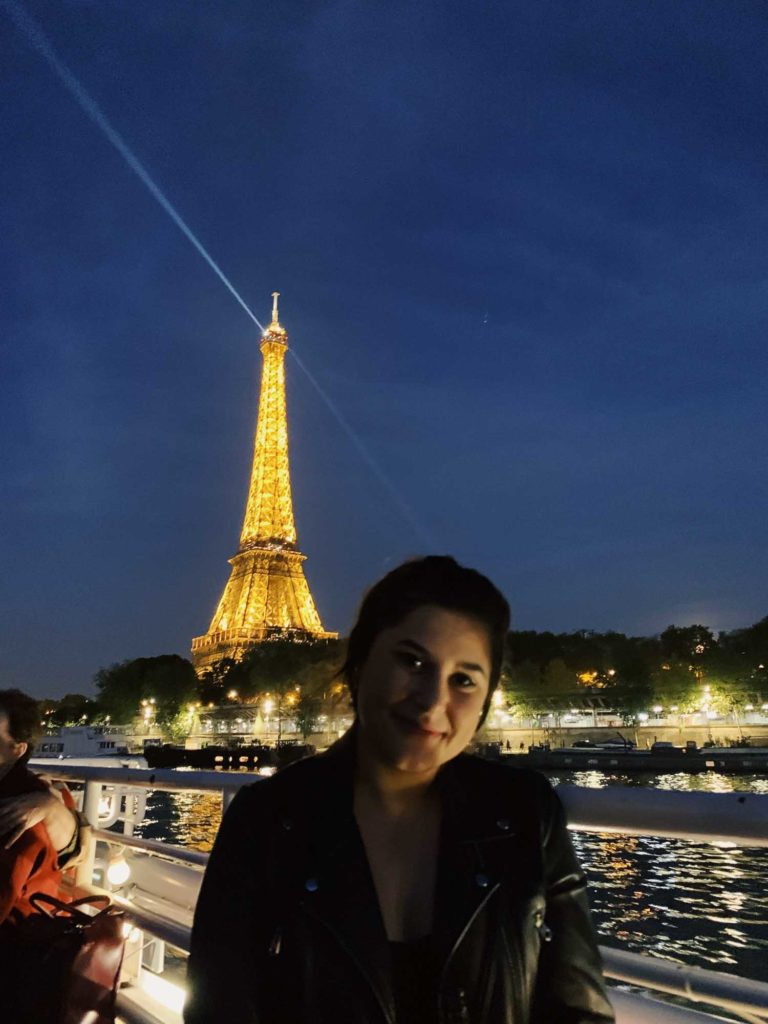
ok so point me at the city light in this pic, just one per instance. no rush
(165, 992)
(118, 871)
(232, 695)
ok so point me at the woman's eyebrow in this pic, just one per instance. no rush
(470, 666)
(412, 643)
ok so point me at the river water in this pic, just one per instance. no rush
(695, 903)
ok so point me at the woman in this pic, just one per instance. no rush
(39, 827)
(395, 879)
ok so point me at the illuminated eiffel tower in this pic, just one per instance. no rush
(267, 592)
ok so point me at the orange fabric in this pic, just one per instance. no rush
(30, 866)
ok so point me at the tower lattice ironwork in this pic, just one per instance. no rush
(267, 591)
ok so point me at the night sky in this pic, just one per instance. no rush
(523, 247)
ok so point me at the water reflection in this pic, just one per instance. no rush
(704, 904)
(185, 819)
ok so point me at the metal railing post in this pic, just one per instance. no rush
(91, 801)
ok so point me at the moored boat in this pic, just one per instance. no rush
(97, 745)
(660, 758)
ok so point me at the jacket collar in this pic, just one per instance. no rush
(470, 813)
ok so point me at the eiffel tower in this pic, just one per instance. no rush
(267, 592)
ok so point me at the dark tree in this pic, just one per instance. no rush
(169, 680)
(73, 709)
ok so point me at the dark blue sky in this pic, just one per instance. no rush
(523, 247)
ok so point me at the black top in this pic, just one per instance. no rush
(414, 980)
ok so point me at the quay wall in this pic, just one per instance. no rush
(521, 737)
(643, 736)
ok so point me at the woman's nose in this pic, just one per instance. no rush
(430, 689)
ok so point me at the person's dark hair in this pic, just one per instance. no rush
(434, 580)
(23, 714)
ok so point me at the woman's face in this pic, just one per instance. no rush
(422, 687)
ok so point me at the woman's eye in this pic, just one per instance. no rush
(412, 661)
(464, 682)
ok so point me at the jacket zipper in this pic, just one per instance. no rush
(360, 967)
(277, 942)
(513, 950)
(443, 974)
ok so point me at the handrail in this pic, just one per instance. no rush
(716, 988)
(153, 846)
(740, 818)
(154, 778)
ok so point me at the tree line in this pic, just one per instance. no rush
(685, 668)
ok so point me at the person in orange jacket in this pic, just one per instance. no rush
(39, 826)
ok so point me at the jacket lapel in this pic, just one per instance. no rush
(482, 840)
(339, 892)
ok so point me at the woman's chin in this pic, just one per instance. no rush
(419, 758)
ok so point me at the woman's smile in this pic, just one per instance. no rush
(414, 728)
(422, 689)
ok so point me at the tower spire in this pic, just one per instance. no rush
(267, 590)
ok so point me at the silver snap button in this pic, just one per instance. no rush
(482, 880)
(311, 885)
(287, 824)
(503, 824)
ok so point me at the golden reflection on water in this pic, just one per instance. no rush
(704, 904)
(184, 819)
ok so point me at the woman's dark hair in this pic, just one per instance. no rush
(434, 580)
(23, 714)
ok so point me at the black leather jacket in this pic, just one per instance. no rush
(288, 929)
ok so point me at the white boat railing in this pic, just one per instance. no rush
(166, 880)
